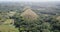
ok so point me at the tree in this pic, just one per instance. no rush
(45, 25)
(45, 30)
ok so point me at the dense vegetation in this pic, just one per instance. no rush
(12, 21)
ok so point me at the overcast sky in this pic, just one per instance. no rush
(32, 0)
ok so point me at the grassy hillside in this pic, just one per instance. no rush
(7, 28)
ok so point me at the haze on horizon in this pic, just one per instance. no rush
(29, 0)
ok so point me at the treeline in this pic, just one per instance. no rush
(43, 24)
(17, 23)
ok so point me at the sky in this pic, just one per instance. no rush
(31, 0)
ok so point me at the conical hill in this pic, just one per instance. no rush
(29, 14)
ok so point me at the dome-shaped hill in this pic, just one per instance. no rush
(29, 14)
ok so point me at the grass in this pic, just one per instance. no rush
(7, 28)
(9, 21)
